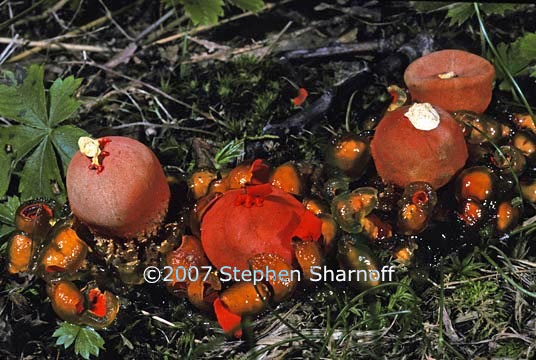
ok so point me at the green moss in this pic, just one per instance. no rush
(512, 349)
(250, 90)
(463, 269)
(479, 309)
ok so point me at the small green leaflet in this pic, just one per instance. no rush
(208, 12)
(462, 12)
(228, 153)
(39, 140)
(248, 5)
(204, 12)
(86, 340)
(430, 6)
(517, 56)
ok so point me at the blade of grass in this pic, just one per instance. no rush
(501, 63)
(348, 109)
(280, 318)
(440, 341)
(256, 354)
(503, 274)
(350, 304)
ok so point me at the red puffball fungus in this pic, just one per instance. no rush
(253, 220)
(451, 79)
(430, 147)
(116, 186)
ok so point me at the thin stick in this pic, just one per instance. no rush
(155, 25)
(8, 50)
(49, 44)
(60, 4)
(90, 25)
(276, 40)
(158, 318)
(452, 284)
(175, 23)
(20, 15)
(204, 28)
(144, 84)
(162, 126)
(126, 54)
(116, 24)
(218, 54)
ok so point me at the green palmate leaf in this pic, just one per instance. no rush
(62, 102)
(208, 12)
(16, 141)
(4, 231)
(21, 140)
(430, 6)
(41, 174)
(5, 173)
(9, 77)
(500, 9)
(527, 46)
(8, 209)
(33, 104)
(86, 340)
(248, 5)
(517, 57)
(7, 215)
(26, 103)
(203, 12)
(37, 138)
(461, 12)
(62, 139)
(66, 334)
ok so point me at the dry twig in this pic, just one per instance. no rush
(204, 28)
(90, 25)
(52, 45)
(50, 10)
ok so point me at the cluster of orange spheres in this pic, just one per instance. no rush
(255, 216)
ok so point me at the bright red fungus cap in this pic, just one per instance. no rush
(229, 321)
(404, 154)
(253, 220)
(122, 191)
(451, 79)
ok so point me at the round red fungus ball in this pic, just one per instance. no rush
(118, 188)
(403, 153)
(451, 79)
(254, 220)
